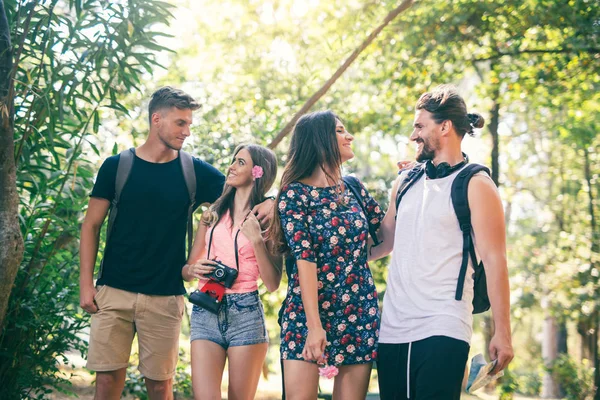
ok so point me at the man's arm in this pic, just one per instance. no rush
(387, 229)
(487, 218)
(198, 251)
(88, 251)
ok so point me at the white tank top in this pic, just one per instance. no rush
(419, 301)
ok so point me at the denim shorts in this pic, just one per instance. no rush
(240, 322)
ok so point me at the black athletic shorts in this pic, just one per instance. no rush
(430, 369)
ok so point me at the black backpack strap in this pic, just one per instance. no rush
(413, 176)
(189, 174)
(123, 170)
(460, 202)
(126, 158)
(354, 186)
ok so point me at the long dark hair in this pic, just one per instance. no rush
(313, 145)
(261, 156)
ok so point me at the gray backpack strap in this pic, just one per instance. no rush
(126, 158)
(189, 174)
(125, 163)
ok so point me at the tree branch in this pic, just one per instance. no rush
(315, 97)
(591, 50)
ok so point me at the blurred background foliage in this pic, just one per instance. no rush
(86, 70)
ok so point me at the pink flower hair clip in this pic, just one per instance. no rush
(257, 172)
(328, 371)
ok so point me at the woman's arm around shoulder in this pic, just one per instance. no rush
(387, 229)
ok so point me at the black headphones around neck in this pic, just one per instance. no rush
(444, 169)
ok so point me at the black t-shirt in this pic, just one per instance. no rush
(146, 249)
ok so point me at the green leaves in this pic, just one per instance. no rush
(76, 66)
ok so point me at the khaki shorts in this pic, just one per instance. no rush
(122, 314)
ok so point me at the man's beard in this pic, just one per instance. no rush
(427, 152)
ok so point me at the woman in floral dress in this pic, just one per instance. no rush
(330, 315)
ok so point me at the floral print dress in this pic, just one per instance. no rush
(330, 230)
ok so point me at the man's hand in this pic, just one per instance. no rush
(402, 165)
(88, 249)
(86, 299)
(264, 212)
(501, 350)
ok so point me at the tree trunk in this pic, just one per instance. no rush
(563, 349)
(562, 338)
(488, 328)
(584, 330)
(590, 187)
(592, 342)
(595, 249)
(11, 241)
(315, 97)
(493, 128)
(550, 389)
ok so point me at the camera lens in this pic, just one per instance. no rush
(219, 273)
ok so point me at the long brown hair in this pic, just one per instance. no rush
(261, 156)
(313, 145)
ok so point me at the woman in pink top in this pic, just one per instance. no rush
(228, 257)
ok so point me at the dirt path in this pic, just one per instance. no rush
(268, 389)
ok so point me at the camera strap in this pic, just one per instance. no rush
(235, 246)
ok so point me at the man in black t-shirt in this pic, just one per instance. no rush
(140, 290)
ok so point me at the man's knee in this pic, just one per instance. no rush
(109, 384)
(160, 389)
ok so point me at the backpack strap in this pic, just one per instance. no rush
(460, 202)
(189, 174)
(354, 185)
(413, 176)
(126, 158)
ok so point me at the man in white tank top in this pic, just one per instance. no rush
(425, 333)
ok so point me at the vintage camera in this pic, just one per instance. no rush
(211, 294)
(223, 274)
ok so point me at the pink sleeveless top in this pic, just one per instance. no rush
(223, 249)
